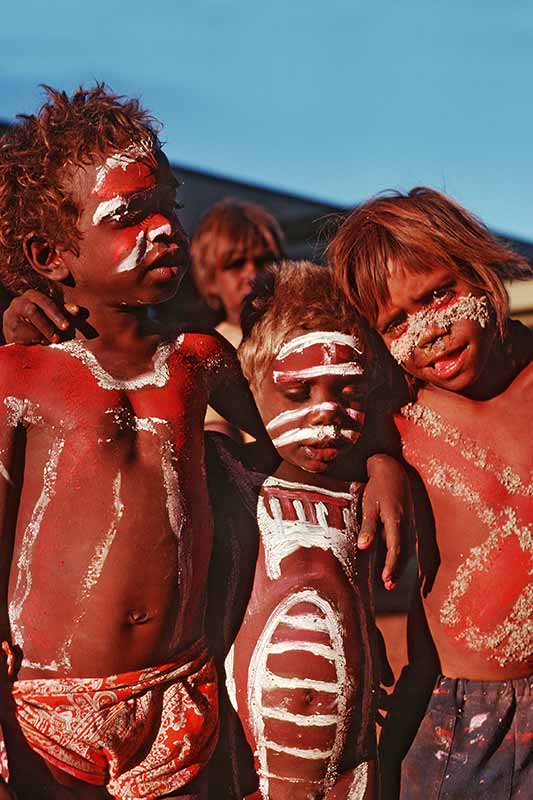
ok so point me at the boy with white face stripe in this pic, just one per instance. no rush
(303, 666)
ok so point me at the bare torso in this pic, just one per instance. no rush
(475, 460)
(302, 663)
(113, 532)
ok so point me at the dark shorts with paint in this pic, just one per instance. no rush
(475, 741)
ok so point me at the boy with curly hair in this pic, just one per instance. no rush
(429, 277)
(109, 689)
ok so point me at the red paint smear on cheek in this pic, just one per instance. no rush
(123, 243)
(136, 177)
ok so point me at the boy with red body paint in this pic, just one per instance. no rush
(428, 276)
(106, 521)
(302, 668)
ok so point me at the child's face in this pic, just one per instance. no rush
(133, 249)
(313, 399)
(438, 327)
(232, 281)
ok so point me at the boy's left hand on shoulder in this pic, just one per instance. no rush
(387, 504)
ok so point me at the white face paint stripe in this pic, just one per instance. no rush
(463, 308)
(297, 413)
(349, 368)
(300, 343)
(163, 230)
(134, 256)
(107, 208)
(314, 435)
(129, 156)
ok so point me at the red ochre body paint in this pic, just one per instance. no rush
(488, 604)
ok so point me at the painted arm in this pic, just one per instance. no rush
(35, 318)
(230, 394)
(361, 783)
(387, 504)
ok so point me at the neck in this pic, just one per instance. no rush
(133, 329)
(289, 472)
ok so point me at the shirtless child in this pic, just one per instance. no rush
(106, 521)
(302, 667)
(428, 276)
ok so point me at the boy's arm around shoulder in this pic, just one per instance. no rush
(230, 394)
(387, 501)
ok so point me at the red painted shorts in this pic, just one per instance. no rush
(141, 734)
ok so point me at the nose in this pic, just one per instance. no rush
(326, 411)
(249, 270)
(431, 333)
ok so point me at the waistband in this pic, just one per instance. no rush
(186, 662)
(461, 688)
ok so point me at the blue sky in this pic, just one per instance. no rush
(336, 99)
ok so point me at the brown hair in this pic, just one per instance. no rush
(225, 233)
(286, 298)
(36, 156)
(418, 231)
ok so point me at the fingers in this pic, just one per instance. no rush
(392, 535)
(34, 317)
(369, 523)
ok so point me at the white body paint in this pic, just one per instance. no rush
(359, 783)
(282, 537)
(463, 308)
(260, 677)
(326, 338)
(157, 377)
(107, 209)
(348, 368)
(129, 156)
(316, 434)
(297, 413)
(24, 577)
(20, 411)
(135, 256)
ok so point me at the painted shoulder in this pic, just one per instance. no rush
(205, 344)
(17, 359)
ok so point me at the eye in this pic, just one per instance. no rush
(353, 393)
(234, 265)
(442, 294)
(297, 393)
(395, 326)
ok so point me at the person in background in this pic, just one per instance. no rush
(233, 243)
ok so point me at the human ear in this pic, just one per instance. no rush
(44, 257)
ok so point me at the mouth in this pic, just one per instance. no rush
(169, 263)
(448, 364)
(327, 450)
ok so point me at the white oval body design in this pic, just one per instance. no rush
(319, 616)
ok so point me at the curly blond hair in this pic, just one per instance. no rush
(287, 298)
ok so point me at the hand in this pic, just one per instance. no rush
(34, 318)
(387, 502)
